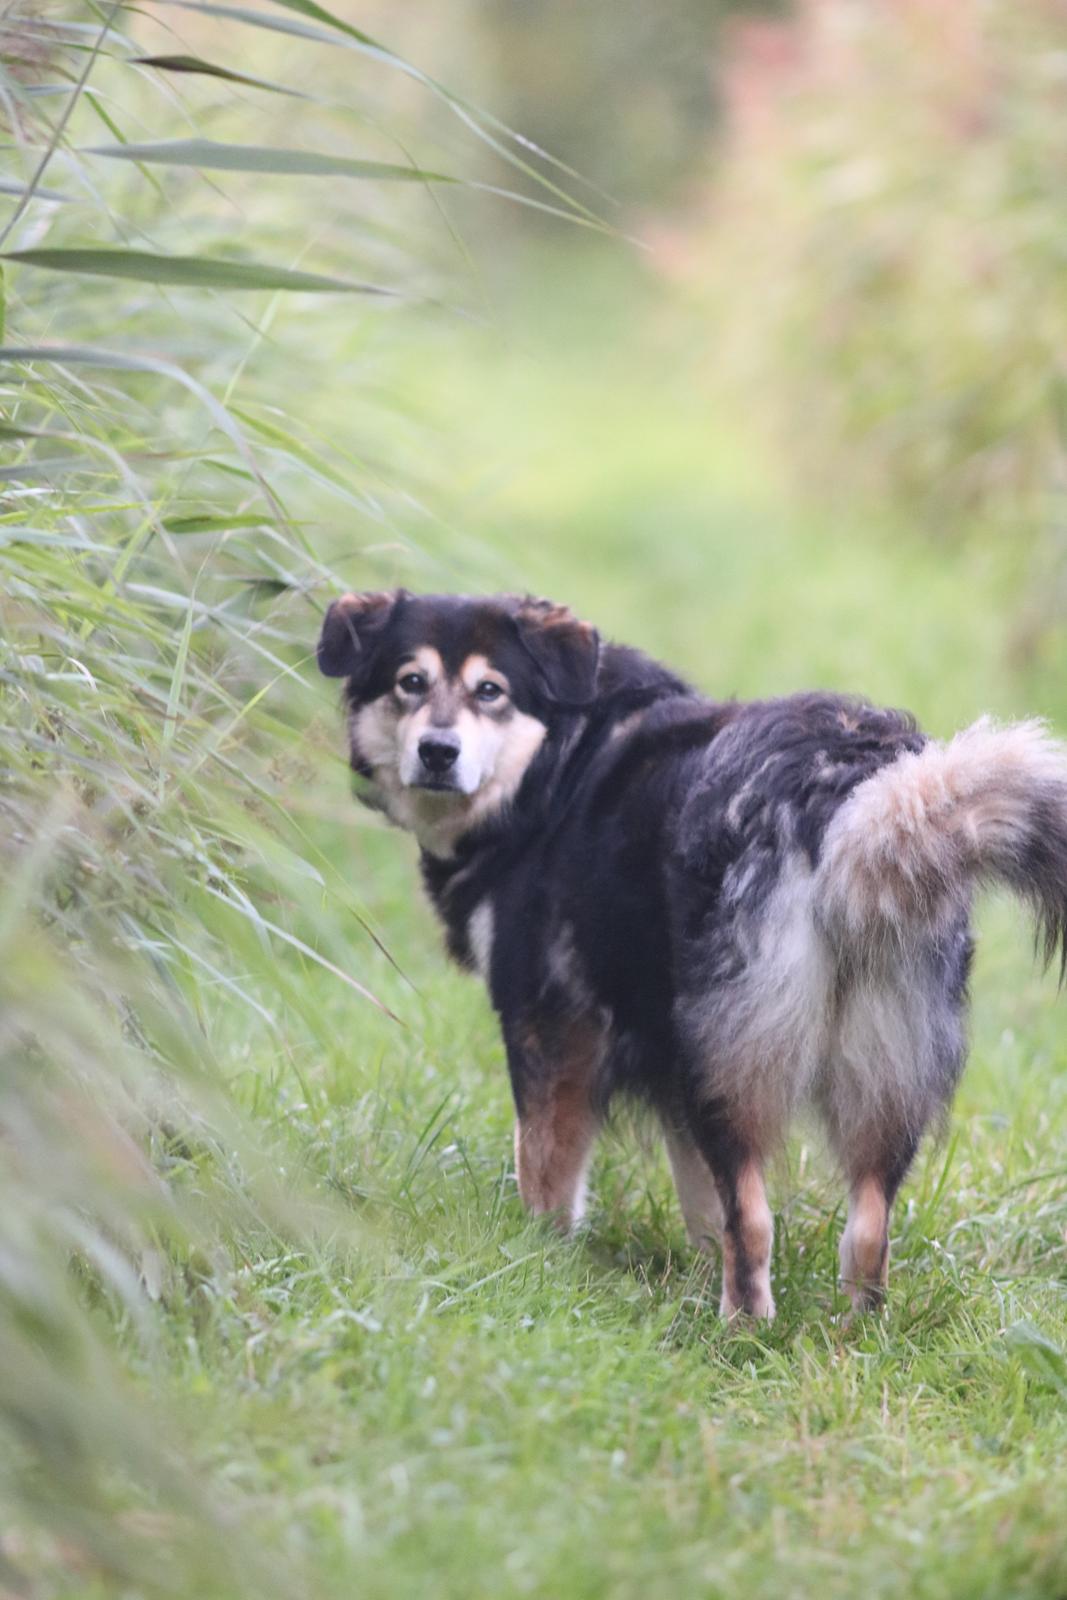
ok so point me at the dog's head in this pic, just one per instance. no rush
(450, 698)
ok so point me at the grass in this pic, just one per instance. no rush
(516, 1413)
(485, 1406)
(272, 1320)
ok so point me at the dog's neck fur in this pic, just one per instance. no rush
(629, 685)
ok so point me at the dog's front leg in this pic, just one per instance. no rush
(553, 1074)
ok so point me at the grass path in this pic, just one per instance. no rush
(477, 1407)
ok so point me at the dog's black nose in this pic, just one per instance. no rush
(438, 752)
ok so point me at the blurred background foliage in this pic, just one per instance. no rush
(737, 327)
(626, 94)
(891, 190)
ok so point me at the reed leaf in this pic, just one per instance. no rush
(197, 272)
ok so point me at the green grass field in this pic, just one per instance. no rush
(311, 1345)
(480, 1407)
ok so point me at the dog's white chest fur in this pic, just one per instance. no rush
(480, 936)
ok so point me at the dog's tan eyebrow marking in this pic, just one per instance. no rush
(426, 659)
(476, 670)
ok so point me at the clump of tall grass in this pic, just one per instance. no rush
(885, 249)
(164, 554)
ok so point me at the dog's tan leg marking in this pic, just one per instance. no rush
(697, 1194)
(747, 1240)
(865, 1244)
(553, 1142)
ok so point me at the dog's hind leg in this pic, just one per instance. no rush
(864, 1250)
(894, 1063)
(747, 1223)
(698, 1194)
(748, 1237)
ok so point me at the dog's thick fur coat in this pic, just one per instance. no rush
(727, 910)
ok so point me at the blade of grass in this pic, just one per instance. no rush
(247, 909)
(201, 272)
(170, 718)
(195, 65)
(12, 187)
(263, 158)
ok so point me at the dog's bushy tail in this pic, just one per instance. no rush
(901, 855)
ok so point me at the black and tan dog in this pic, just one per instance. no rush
(727, 910)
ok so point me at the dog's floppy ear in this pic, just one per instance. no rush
(351, 631)
(565, 650)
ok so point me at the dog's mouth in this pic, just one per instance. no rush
(443, 783)
(436, 785)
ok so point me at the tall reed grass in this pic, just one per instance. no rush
(206, 211)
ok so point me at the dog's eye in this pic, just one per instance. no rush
(413, 683)
(487, 691)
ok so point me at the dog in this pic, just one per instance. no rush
(726, 910)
